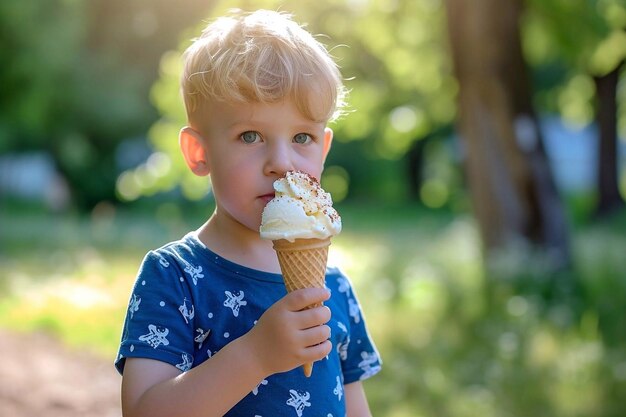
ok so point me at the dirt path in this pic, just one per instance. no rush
(39, 377)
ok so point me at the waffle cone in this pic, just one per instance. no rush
(303, 265)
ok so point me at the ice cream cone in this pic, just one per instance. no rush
(303, 264)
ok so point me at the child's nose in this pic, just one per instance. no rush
(279, 159)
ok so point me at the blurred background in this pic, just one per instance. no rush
(480, 174)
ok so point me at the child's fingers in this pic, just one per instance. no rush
(315, 335)
(313, 317)
(301, 299)
(318, 351)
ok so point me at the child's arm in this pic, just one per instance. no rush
(285, 336)
(356, 402)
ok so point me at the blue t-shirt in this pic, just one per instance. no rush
(188, 303)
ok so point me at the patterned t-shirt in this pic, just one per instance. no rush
(188, 303)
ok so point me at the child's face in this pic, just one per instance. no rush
(250, 145)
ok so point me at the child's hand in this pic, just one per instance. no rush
(288, 335)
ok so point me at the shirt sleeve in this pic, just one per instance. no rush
(362, 359)
(159, 319)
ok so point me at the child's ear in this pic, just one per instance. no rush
(195, 153)
(328, 140)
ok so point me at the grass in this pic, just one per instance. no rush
(455, 339)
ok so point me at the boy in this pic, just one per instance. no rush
(210, 329)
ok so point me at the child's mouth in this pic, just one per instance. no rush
(267, 197)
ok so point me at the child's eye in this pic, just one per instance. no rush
(250, 137)
(302, 138)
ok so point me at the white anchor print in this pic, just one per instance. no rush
(342, 345)
(156, 336)
(134, 305)
(369, 359)
(298, 401)
(354, 310)
(187, 314)
(234, 302)
(193, 271)
(344, 285)
(201, 337)
(342, 349)
(186, 364)
(338, 391)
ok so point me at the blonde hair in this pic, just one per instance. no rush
(262, 56)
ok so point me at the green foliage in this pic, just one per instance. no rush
(582, 39)
(34, 65)
(75, 80)
(456, 340)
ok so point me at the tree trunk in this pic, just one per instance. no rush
(415, 168)
(609, 198)
(512, 189)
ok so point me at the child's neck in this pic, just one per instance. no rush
(239, 244)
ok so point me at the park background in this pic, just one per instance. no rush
(479, 173)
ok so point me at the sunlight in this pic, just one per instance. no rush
(364, 262)
(422, 287)
(336, 180)
(403, 118)
(574, 100)
(69, 293)
(358, 259)
(434, 193)
(517, 306)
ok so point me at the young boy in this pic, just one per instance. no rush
(210, 329)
